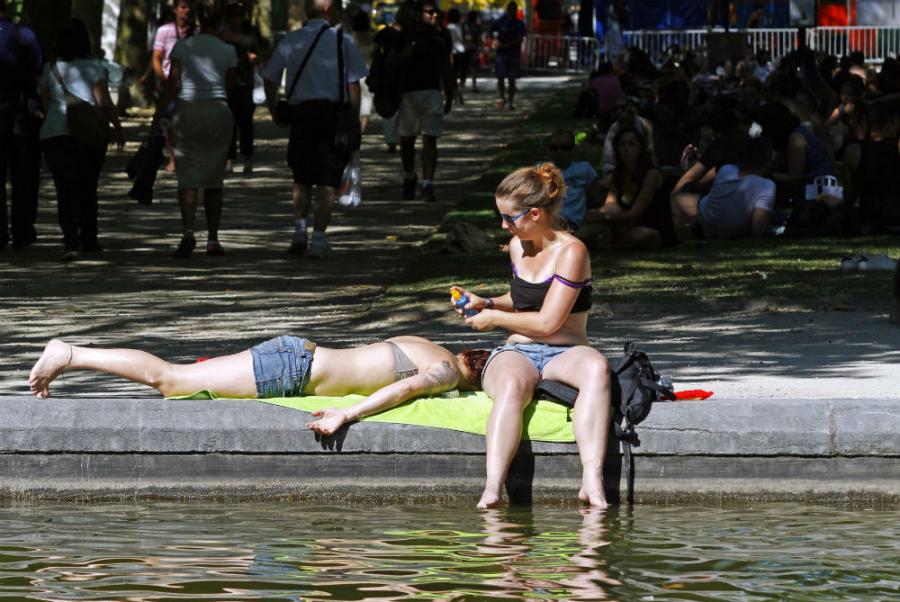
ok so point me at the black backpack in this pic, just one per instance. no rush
(634, 386)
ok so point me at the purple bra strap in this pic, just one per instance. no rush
(569, 283)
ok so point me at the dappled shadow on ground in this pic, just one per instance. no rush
(135, 295)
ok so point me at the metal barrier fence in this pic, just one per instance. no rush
(560, 53)
(876, 42)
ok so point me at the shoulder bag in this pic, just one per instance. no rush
(284, 111)
(347, 135)
(87, 122)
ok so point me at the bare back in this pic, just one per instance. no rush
(364, 370)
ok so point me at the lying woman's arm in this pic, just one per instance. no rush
(437, 379)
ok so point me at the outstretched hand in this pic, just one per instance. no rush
(329, 421)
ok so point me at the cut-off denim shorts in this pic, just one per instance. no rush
(539, 354)
(281, 366)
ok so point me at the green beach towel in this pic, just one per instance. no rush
(468, 412)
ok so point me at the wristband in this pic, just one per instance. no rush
(489, 303)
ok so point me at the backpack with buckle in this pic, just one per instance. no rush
(635, 386)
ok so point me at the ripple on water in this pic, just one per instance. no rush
(280, 551)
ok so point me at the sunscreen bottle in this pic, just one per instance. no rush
(460, 300)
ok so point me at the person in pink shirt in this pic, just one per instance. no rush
(166, 37)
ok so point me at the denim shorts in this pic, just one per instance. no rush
(539, 354)
(281, 366)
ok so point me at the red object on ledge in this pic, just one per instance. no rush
(692, 394)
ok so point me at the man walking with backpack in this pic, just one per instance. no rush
(321, 107)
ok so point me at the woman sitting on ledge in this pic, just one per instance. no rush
(545, 313)
(389, 373)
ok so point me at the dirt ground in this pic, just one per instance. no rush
(135, 295)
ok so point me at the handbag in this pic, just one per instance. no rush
(87, 122)
(284, 111)
(347, 133)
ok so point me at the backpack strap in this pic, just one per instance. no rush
(628, 461)
(305, 60)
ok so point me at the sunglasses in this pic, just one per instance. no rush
(560, 147)
(511, 219)
(430, 11)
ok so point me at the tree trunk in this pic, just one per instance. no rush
(132, 48)
(46, 18)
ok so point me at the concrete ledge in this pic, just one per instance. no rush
(105, 448)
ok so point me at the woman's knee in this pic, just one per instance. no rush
(165, 380)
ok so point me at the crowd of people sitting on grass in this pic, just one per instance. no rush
(804, 146)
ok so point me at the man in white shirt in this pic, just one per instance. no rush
(315, 101)
(740, 202)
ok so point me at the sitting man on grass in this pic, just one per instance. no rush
(583, 188)
(740, 202)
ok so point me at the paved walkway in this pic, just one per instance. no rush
(135, 295)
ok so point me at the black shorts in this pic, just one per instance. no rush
(311, 154)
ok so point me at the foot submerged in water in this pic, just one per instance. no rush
(593, 497)
(489, 500)
(53, 362)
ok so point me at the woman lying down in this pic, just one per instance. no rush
(388, 373)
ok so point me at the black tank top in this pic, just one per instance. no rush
(529, 296)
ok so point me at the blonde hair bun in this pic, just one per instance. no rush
(552, 179)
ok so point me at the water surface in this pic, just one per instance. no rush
(283, 551)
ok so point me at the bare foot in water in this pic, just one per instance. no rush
(55, 359)
(489, 500)
(593, 495)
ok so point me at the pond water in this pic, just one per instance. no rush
(283, 551)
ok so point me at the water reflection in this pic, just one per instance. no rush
(293, 552)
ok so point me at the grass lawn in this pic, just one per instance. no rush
(803, 272)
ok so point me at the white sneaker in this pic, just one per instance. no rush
(851, 263)
(878, 263)
(319, 249)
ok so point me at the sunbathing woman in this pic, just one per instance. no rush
(546, 315)
(389, 373)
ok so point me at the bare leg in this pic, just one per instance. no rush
(510, 381)
(227, 376)
(213, 200)
(301, 196)
(429, 156)
(587, 370)
(170, 151)
(325, 196)
(187, 200)
(408, 153)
